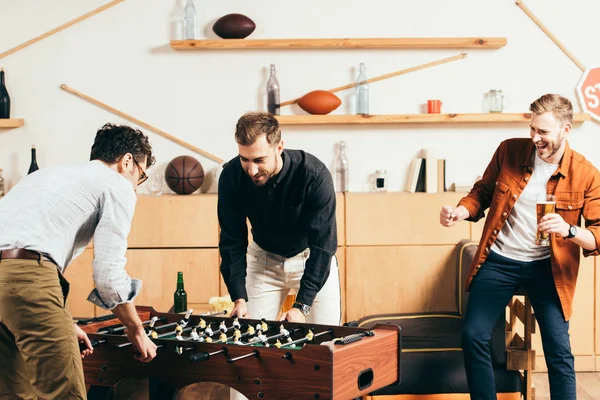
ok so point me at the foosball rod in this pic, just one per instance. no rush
(305, 339)
(120, 328)
(254, 353)
(213, 313)
(277, 336)
(158, 337)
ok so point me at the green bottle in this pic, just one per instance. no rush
(180, 296)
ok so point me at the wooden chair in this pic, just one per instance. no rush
(519, 354)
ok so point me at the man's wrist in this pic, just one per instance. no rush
(303, 308)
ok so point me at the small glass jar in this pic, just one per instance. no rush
(380, 181)
(494, 101)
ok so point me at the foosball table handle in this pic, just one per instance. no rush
(198, 357)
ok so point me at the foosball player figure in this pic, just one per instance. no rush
(202, 323)
(263, 325)
(223, 327)
(194, 334)
(263, 339)
(237, 335)
(310, 335)
(186, 318)
(285, 333)
(250, 330)
(178, 329)
(223, 337)
(152, 331)
(277, 344)
(151, 325)
(236, 324)
(208, 332)
(178, 336)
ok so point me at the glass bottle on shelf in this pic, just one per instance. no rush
(33, 165)
(190, 21)
(494, 101)
(4, 97)
(380, 181)
(1, 183)
(273, 92)
(362, 92)
(341, 170)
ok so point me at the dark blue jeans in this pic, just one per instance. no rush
(492, 289)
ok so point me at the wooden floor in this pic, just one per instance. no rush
(588, 388)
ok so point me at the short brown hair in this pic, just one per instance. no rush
(559, 106)
(253, 124)
(114, 141)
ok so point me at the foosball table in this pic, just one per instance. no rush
(259, 358)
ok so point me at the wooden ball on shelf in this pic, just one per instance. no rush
(319, 102)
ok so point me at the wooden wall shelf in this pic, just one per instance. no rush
(411, 119)
(342, 43)
(11, 123)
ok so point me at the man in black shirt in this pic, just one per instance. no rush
(289, 199)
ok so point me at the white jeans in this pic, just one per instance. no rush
(271, 278)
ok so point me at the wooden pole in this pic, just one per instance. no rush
(550, 35)
(60, 28)
(141, 123)
(386, 76)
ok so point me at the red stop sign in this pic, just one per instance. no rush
(588, 91)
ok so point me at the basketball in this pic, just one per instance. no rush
(184, 175)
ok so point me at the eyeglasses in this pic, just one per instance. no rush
(143, 177)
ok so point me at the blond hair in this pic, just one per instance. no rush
(253, 124)
(559, 106)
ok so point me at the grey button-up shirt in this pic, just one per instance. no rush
(58, 210)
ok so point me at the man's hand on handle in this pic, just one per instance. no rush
(135, 331)
(450, 216)
(82, 338)
(293, 315)
(239, 309)
(145, 347)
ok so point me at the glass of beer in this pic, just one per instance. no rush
(545, 204)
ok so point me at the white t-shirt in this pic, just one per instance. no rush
(516, 239)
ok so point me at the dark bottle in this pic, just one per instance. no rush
(4, 98)
(180, 296)
(33, 166)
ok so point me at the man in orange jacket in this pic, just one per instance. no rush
(520, 172)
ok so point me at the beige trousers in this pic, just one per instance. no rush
(38, 347)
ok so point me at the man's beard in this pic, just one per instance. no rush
(552, 147)
(268, 175)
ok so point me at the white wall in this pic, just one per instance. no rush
(122, 57)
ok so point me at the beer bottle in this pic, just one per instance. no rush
(4, 97)
(33, 166)
(180, 296)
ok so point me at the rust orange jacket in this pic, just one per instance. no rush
(576, 184)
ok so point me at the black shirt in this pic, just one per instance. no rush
(293, 211)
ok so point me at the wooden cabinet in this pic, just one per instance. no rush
(400, 279)
(400, 219)
(175, 221)
(81, 283)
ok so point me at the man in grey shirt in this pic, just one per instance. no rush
(46, 221)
